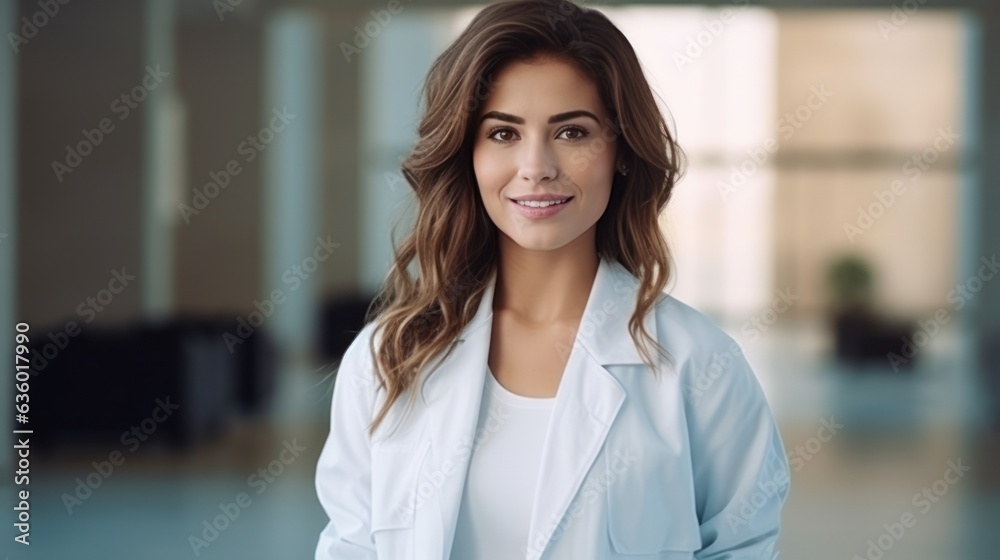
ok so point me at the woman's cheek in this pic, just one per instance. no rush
(588, 160)
(490, 185)
(578, 161)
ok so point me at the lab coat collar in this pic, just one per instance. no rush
(587, 401)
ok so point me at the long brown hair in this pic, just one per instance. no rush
(454, 242)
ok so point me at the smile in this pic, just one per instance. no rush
(541, 203)
(538, 209)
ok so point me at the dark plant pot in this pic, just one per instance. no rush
(861, 338)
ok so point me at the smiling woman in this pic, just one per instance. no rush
(553, 407)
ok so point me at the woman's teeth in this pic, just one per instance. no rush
(540, 203)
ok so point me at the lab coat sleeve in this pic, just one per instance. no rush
(343, 472)
(740, 469)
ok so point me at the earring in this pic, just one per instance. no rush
(623, 170)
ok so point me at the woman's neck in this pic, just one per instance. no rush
(545, 287)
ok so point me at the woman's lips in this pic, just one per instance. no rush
(541, 212)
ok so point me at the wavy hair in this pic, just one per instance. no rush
(453, 241)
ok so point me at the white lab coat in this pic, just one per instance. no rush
(690, 465)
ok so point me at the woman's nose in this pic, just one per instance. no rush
(537, 162)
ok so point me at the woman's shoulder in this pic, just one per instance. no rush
(690, 331)
(357, 359)
(704, 355)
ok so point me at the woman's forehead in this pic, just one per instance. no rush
(538, 90)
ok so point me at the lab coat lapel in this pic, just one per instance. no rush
(586, 405)
(587, 401)
(453, 394)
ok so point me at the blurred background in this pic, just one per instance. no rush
(195, 209)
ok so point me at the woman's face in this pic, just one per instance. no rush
(544, 133)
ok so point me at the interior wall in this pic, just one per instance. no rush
(80, 224)
(218, 247)
(851, 150)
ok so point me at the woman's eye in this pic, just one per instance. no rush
(576, 133)
(496, 133)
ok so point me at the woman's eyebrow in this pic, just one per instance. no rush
(507, 117)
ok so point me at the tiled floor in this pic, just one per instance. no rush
(899, 435)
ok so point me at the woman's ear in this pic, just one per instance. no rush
(621, 152)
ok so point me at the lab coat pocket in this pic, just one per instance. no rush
(395, 470)
(651, 507)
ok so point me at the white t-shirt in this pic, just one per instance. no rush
(503, 473)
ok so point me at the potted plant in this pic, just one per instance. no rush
(850, 279)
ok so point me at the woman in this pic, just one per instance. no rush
(537, 422)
